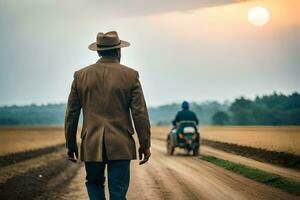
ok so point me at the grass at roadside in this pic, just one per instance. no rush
(257, 175)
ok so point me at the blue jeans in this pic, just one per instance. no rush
(118, 178)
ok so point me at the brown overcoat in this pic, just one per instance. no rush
(108, 94)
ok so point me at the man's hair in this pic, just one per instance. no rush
(111, 52)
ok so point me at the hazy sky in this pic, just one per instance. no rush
(194, 50)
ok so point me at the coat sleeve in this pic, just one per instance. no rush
(174, 122)
(196, 118)
(72, 116)
(140, 114)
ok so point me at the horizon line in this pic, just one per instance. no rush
(226, 101)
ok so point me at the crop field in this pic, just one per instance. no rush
(33, 162)
(18, 139)
(272, 138)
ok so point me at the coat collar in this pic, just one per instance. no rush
(108, 60)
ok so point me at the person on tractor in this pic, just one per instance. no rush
(185, 115)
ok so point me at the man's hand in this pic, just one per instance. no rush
(73, 155)
(146, 154)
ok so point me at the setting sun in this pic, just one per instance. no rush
(258, 16)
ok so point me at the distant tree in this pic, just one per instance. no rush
(220, 118)
(275, 109)
(241, 110)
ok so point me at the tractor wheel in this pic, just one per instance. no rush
(196, 151)
(170, 148)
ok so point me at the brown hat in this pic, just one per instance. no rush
(107, 41)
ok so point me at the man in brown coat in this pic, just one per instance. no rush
(111, 97)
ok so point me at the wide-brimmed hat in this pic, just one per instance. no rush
(107, 41)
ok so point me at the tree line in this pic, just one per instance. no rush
(275, 109)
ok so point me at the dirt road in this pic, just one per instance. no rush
(182, 177)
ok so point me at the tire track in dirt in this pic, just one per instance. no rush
(10, 171)
(35, 174)
(282, 171)
(194, 182)
(39, 181)
(14, 158)
(211, 182)
(73, 189)
(160, 185)
(142, 185)
(171, 179)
